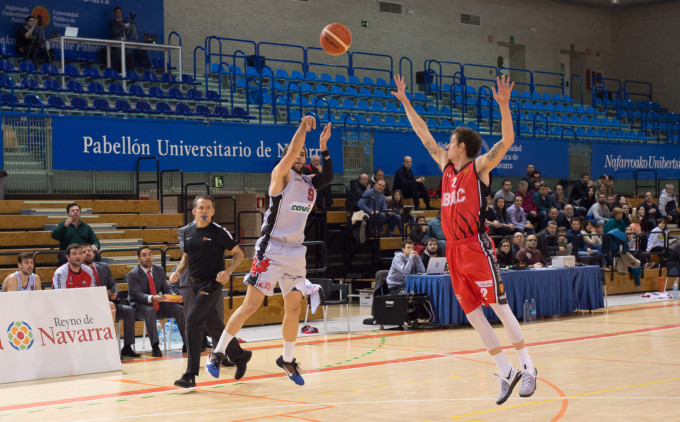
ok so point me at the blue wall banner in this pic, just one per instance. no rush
(550, 157)
(623, 160)
(91, 17)
(104, 143)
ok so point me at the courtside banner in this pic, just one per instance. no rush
(551, 157)
(56, 333)
(105, 143)
(622, 161)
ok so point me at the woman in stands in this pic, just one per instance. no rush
(396, 205)
(557, 198)
(500, 213)
(589, 200)
(418, 234)
(657, 239)
(590, 244)
(626, 214)
(504, 253)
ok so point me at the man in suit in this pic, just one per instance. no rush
(150, 296)
(104, 277)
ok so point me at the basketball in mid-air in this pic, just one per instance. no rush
(336, 39)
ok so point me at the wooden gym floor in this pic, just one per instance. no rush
(620, 364)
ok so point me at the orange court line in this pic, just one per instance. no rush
(359, 365)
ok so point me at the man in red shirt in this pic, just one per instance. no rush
(469, 250)
(73, 274)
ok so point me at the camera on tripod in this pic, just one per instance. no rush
(133, 15)
(39, 18)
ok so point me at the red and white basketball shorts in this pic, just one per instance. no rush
(475, 275)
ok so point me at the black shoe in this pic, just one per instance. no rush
(127, 351)
(156, 351)
(187, 381)
(206, 344)
(184, 348)
(430, 207)
(242, 364)
(292, 370)
(227, 362)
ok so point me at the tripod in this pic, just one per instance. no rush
(40, 35)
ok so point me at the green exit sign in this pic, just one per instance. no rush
(218, 181)
(364, 24)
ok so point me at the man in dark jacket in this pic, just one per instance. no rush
(356, 190)
(411, 187)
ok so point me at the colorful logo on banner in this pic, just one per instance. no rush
(42, 15)
(20, 335)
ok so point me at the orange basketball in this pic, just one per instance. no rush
(336, 39)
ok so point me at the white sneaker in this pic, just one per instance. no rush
(528, 382)
(507, 384)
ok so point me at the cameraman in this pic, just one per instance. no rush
(120, 30)
(28, 44)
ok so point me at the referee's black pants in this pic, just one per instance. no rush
(204, 314)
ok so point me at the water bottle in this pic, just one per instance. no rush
(532, 310)
(168, 329)
(675, 290)
(161, 333)
(527, 316)
(176, 336)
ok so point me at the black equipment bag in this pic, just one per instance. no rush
(400, 309)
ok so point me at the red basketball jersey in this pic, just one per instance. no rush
(463, 199)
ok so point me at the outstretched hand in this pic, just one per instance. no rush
(325, 136)
(401, 89)
(310, 122)
(502, 95)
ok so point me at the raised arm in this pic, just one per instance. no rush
(437, 153)
(485, 163)
(281, 172)
(326, 176)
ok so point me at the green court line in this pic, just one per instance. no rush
(146, 397)
(92, 404)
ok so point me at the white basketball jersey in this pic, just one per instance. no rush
(31, 283)
(286, 217)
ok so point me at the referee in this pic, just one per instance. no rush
(204, 244)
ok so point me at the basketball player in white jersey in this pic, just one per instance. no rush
(24, 279)
(279, 254)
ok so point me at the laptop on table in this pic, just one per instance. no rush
(71, 31)
(436, 265)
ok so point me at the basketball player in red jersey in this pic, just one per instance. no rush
(469, 251)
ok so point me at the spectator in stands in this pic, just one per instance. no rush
(324, 197)
(380, 175)
(405, 181)
(395, 203)
(588, 201)
(74, 231)
(28, 44)
(557, 199)
(580, 189)
(657, 239)
(668, 205)
(635, 247)
(616, 231)
(564, 219)
(599, 212)
(528, 203)
(534, 186)
(601, 187)
(517, 216)
(151, 297)
(543, 203)
(403, 264)
(651, 210)
(356, 190)
(611, 202)
(504, 254)
(500, 224)
(621, 200)
(417, 234)
(104, 277)
(644, 222)
(518, 243)
(23, 279)
(505, 192)
(434, 229)
(610, 184)
(528, 176)
(590, 244)
(563, 242)
(373, 203)
(431, 251)
(553, 214)
(548, 239)
(626, 214)
(120, 30)
(530, 254)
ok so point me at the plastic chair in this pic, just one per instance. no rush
(327, 289)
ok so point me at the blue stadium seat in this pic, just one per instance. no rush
(324, 118)
(241, 113)
(311, 77)
(321, 89)
(168, 78)
(376, 121)
(95, 88)
(391, 107)
(362, 120)
(52, 85)
(297, 75)
(78, 103)
(188, 79)
(472, 125)
(221, 111)
(404, 122)
(74, 86)
(202, 110)
(348, 104)
(353, 80)
(365, 92)
(29, 83)
(351, 91)
(183, 109)
(116, 89)
(32, 100)
(7, 66)
(100, 104)
(377, 107)
(446, 124)
(432, 109)
(362, 105)
(49, 69)
(144, 107)
(136, 90)
(111, 73)
(56, 102)
(211, 95)
(340, 79)
(194, 94)
(123, 106)
(27, 67)
(176, 93)
(390, 121)
(539, 107)
(163, 108)
(149, 76)
(432, 124)
(334, 103)
(325, 77)
(131, 75)
(91, 72)
(155, 91)
(368, 81)
(281, 74)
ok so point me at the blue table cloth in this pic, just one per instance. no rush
(555, 290)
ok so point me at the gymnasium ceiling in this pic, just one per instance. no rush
(614, 3)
